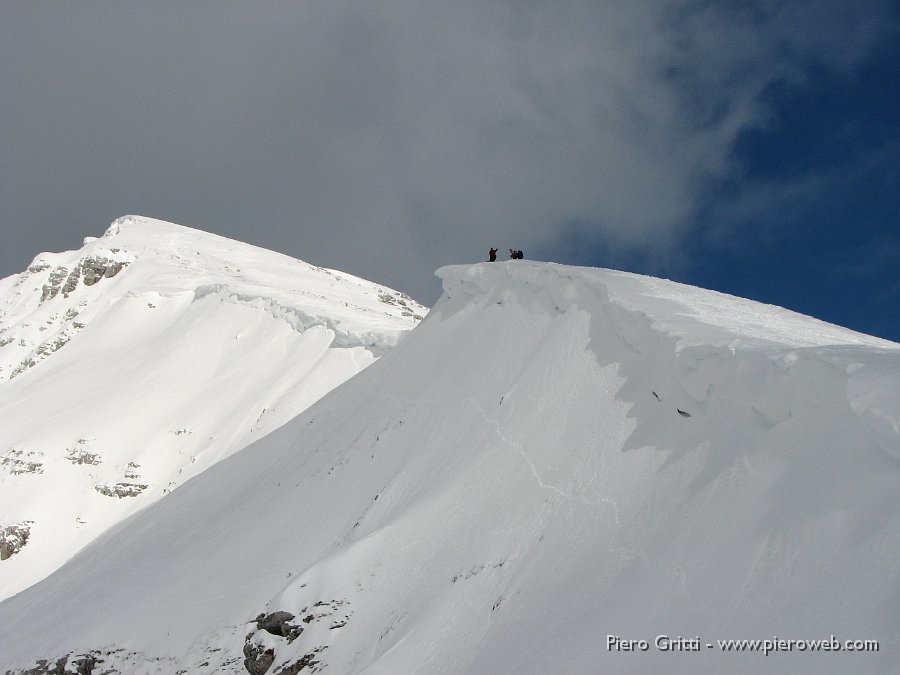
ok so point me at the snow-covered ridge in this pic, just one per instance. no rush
(146, 356)
(165, 259)
(699, 326)
(300, 320)
(690, 314)
(554, 456)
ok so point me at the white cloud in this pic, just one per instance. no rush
(356, 134)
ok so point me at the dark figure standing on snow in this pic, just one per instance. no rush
(492, 255)
(515, 255)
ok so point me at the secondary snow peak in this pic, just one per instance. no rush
(146, 356)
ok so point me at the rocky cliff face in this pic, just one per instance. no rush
(13, 539)
(54, 321)
(89, 270)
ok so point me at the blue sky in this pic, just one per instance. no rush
(748, 146)
(831, 250)
(809, 218)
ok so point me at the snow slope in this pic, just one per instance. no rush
(143, 358)
(555, 456)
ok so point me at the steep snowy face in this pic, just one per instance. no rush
(557, 464)
(136, 362)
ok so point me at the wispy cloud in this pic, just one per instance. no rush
(354, 134)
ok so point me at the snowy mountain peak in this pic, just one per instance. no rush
(54, 299)
(141, 359)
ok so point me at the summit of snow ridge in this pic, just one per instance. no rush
(692, 316)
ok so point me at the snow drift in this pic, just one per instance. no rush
(555, 459)
(138, 361)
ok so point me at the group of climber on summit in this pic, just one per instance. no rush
(513, 255)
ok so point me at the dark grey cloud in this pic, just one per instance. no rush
(388, 138)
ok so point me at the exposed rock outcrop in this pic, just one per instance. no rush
(51, 288)
(13, 538)
(18, 462)
(277, 623)
(81, 664)
(121, 490)
(403, 301)
(89, 271)
(257, 659)
(80, 455)
(260, 654)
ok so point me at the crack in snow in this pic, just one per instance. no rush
(520, 450)
(518, 447)
(536, 474)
